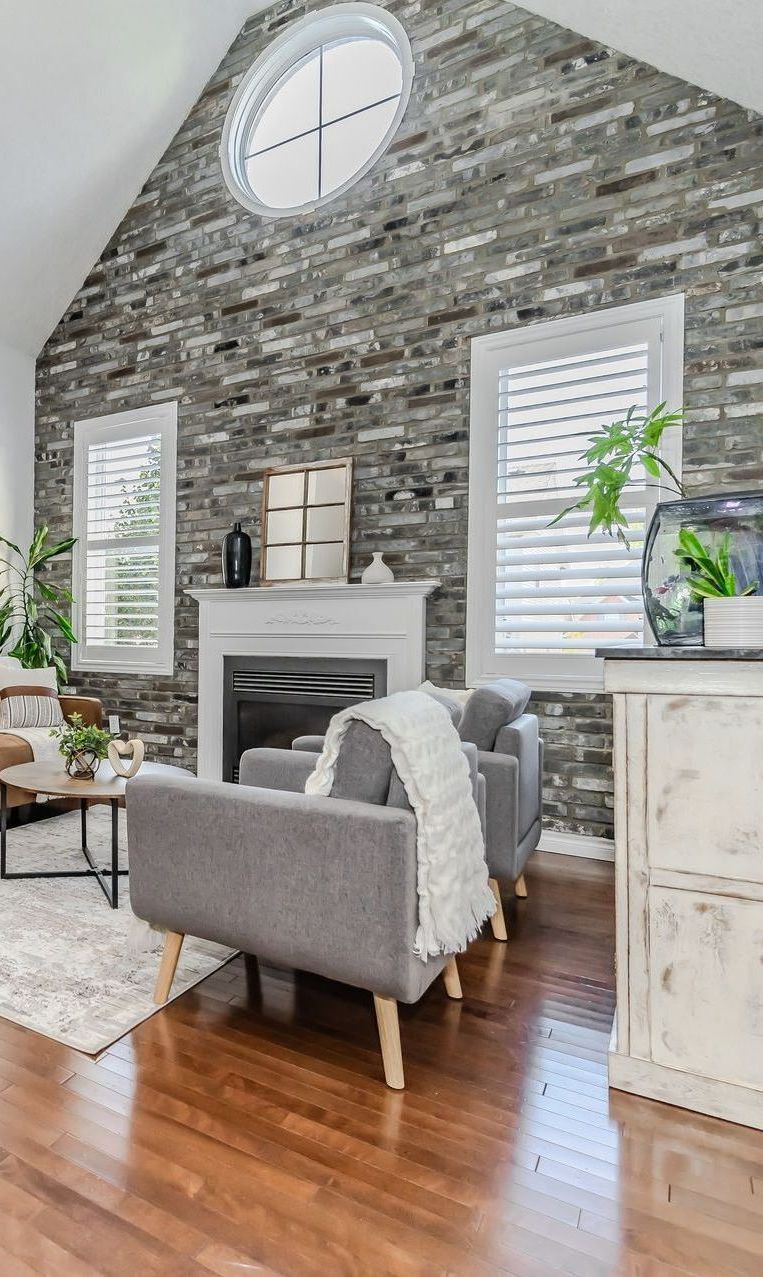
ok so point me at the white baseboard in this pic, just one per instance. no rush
(564, 844)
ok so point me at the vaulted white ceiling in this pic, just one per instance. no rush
(716, 44)
(92, 92)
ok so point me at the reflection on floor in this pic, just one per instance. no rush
(246, 1129)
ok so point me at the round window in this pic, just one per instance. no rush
(317, 109)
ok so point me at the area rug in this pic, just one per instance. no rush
(70, 967)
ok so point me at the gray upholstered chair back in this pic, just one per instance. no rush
(365, 772)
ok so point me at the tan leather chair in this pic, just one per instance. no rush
(14, 750)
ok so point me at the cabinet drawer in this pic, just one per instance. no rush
(706, 984)
(704, 785)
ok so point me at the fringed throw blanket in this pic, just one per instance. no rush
(454, 896)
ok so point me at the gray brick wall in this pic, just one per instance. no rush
(536, 174)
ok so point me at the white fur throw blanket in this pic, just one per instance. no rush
(454, 896)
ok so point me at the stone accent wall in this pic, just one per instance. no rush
(536, 174)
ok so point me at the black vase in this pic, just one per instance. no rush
(237, 558)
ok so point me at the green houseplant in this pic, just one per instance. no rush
(82, 745)
(615, 451)
(30, 607)
(733, 616)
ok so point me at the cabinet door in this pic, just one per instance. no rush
(706, 984)
(705, 785)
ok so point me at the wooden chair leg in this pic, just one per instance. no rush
(389, 1040)
(498, 922)
(520, 887)
(452, 980)
(173, 943)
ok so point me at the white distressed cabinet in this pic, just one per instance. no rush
(689, 868)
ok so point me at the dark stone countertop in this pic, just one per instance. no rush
(680, 653)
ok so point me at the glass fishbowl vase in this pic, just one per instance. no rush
(674, 614)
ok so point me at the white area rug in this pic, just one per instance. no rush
(67, 967)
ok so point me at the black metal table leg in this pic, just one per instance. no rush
(114, 853)
(108, 880)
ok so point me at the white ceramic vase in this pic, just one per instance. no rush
(377, 572)
(734, 622)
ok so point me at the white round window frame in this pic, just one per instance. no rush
(302, 37)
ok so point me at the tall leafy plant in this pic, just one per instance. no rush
(30, 607)
(615, 451)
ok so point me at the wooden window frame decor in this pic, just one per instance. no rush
(307, 543)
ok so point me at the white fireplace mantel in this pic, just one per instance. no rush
(385, 622)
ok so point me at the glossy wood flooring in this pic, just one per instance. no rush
(246, 1130)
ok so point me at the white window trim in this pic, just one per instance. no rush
(299, 39)
(489, 354)
(161, 418)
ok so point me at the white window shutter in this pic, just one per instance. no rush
(124, 557)
(556, 589)
(542, 596)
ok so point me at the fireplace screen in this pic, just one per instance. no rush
(269, 700)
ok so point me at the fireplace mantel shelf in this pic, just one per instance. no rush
(303, 591)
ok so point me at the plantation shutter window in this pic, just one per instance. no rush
(544, 596)
(124, 518)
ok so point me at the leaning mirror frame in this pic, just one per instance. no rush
(320, 555)
(296, 42)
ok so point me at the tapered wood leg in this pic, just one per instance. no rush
(520, 887)
(173, 943)
(389, 1040)
(498, 922)
(452, 980)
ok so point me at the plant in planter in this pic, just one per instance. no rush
(615, 451)
(83, 746)
(733, 613)
(30, 607)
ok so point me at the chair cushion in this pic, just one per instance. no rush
(490, 708)
(12, 675)
(444, 696)
(29, 706)
(364, 766)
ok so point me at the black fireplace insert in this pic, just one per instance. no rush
(268, 700)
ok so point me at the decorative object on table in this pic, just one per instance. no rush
(83, 747)
(306, 523)
(378, 572)
(237, 558)
(30, 607)
(126, 756)
(733, 617)
(674, 610)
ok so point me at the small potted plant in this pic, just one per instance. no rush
(733, 615)
(83, 747)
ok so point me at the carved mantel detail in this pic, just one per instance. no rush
(301, 619)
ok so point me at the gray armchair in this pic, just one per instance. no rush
(509, 790)
(327, 885)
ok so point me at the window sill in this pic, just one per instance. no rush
(122, 665)
(547, 681)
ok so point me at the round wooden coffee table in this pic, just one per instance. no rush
(52, 780)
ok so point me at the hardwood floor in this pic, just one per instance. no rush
(246, 1130)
